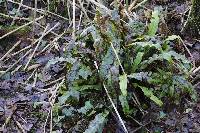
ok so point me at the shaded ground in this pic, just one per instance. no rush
(24, 94)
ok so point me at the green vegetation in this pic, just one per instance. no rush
(83, 67)
(136, 66)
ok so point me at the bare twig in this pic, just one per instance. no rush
(188, 51)
(54, 40)
(45, 124)
(35, 79)
(55, 81)
(30, 76)
(83, 9)
(16, 69)
(116, 55)
(80, 19)
(120, 64)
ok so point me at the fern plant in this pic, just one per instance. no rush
(134, 64)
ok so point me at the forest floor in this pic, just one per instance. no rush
(25, 83)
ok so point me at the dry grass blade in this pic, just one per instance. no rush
(196, 70)
(74, 20)
(18, 10)
(14, 17)
(20, 127)
(34, 15)
(16, 69)
(100, 6)
(120, 64)
(39, 10)
(10, 50)
(20, 27)
(132, 7)
(118, 59)
(16, 53)
(54, 40)
(52, 100)
(8, 118)
(40, 39)
(83, 9)
(115, 108)
(15, 63)
(27, 19)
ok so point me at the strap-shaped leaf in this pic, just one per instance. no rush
(96, 125)
(150, 94)
(123, 84)
(153, 26)
(137, 60)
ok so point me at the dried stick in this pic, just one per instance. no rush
(54, 40)
(35, 79)
(53, 82)
(40, 39)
